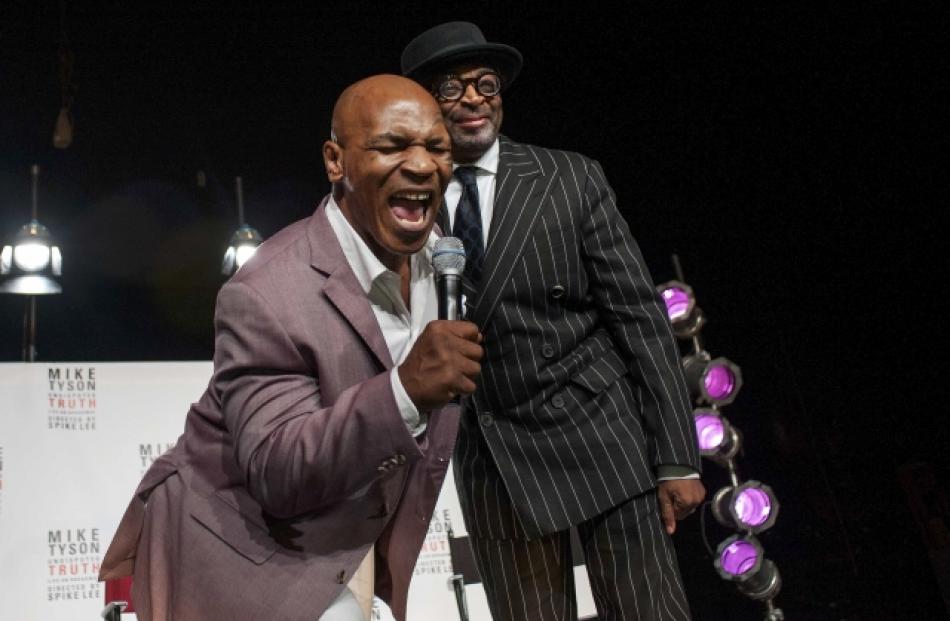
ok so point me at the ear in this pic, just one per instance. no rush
(333, 161)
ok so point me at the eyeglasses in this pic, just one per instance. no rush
(451, 88)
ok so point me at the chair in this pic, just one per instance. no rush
(118, 596)
(465, 571)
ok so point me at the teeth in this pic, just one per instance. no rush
(413, 196)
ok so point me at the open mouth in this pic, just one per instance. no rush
(409, 208)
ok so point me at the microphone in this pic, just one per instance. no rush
(448, 260)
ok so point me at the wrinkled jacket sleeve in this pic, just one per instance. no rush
(297, 453)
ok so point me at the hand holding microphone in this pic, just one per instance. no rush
(444, 361)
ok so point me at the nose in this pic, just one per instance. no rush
(471, 96)
(420, 164)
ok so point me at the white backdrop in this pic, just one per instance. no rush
(75, 438)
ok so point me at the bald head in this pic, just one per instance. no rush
(389, 160)
(358, 105)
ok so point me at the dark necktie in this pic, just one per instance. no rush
(468, 223)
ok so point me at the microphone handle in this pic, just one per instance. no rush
(449, 288)
(450, 296)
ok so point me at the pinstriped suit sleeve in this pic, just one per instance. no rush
(630, 308)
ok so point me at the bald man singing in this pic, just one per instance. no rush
(308, 471)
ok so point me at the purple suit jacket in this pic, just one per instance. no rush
(293, 462)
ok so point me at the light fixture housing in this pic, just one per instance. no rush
(32, 264)
(685, 316)
(713, 381)
(244, 241)
(718, 440)
(243, 245)
(741, 559)
(750, 507)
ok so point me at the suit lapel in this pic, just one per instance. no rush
(342, 288)
(522, 184)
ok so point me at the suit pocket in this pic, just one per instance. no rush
(222, 513)
(601, 373)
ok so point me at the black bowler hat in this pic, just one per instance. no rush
(455, 43)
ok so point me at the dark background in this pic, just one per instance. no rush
(788, 154)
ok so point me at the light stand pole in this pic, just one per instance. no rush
(29, 330)
(244, 241)
(29, 314)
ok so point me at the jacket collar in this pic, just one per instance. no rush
(342, 288)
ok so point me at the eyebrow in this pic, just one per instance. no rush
(386, 137)
(399, 139)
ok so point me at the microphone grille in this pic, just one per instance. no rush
(448, 256)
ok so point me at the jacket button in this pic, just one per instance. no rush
(557, 401)
(547, 351)
(486, 420)
(400, 459)
(557, 292)
(340, 577)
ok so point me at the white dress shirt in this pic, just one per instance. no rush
(401, 326)
(486, 170)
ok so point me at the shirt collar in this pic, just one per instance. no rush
(487, 162)
(365, 265)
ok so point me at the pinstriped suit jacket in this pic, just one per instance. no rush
(581, 394)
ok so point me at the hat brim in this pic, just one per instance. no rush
(503, 58)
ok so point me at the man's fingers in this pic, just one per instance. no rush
(442, 364)
(464, 329)
(682, 509)
(472, 351)
(668, 516)
(471, 374)
(678, 498)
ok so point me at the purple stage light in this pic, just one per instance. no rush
(739, 557)
(710, 431)
(677, 302)
(686, 318)
(752, 506)
(714, 381)
(717, 439)
(720, 381)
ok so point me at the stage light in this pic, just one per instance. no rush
(244, 241)
(740, 559)
(715, 381)
(243, 245)
(32, 263)
(751, 507)
(685, 317)
(717, 439)
(31, 266)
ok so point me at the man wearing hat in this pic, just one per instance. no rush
(581, 416)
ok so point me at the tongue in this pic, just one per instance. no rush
(405, 209)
